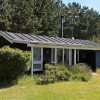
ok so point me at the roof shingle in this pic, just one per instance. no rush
(21, 38)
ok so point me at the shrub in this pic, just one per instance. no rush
(81, 77)
(45, 79)
(61, 73)
(13, 63)
(81, 72)
(54, 73)
(80, 68)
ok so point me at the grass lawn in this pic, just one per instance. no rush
(26, 89)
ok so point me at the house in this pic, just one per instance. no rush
(54, 50)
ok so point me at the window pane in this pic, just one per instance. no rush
(36, 66)
(66, 56)
(77, 56)
(37, 54)
(59, 56)
(53, 55)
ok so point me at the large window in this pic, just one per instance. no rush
(66, 56)
(53, 55)
(59, 56)
(37, 54)
(37, 59)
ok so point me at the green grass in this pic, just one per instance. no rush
(26, 89)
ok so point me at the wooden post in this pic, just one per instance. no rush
(55, 56)
(42, 58)
(63, 56)
(32, 50)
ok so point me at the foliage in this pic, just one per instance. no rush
(53, 74)
(81, 77)
(19, 15)
(59, 73)
(31, 16)
(81, 72)
(96, 38)
(83, 21)
(43, 17)
(13, 63)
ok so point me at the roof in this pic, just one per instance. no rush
(37, 39)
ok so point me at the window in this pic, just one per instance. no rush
(66, 56)
(53, 55)
(37, 54)
(37, 59)
(37, 66)
(59, 56)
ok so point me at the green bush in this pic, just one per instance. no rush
(61, 73)
(54, 73)
(13, 63)
(81, 77)
(80, 68)
(81, 72)
(45, 79)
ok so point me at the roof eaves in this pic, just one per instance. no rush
(5, 37)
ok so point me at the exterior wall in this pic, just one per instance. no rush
(4, 42)
(97, 59)
(21, 46)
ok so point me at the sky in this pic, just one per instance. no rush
(95, 4)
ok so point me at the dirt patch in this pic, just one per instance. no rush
(95, 74)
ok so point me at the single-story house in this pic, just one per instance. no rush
(54, 50)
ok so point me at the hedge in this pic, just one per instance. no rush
(53, 73)
(13, 63)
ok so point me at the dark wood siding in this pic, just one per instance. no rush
(97, 59)
(4, 42)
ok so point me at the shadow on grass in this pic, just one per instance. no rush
(8, 84)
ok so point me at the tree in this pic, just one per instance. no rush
(48, 13)
(85, 26)
(32, 16)
(20, 15)
(43, 17)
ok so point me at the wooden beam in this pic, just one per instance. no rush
(63, 56)
(42, 58)
(32, 62)
(55, 56)
(65, 46)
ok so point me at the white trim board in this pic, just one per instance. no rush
(82, 47)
